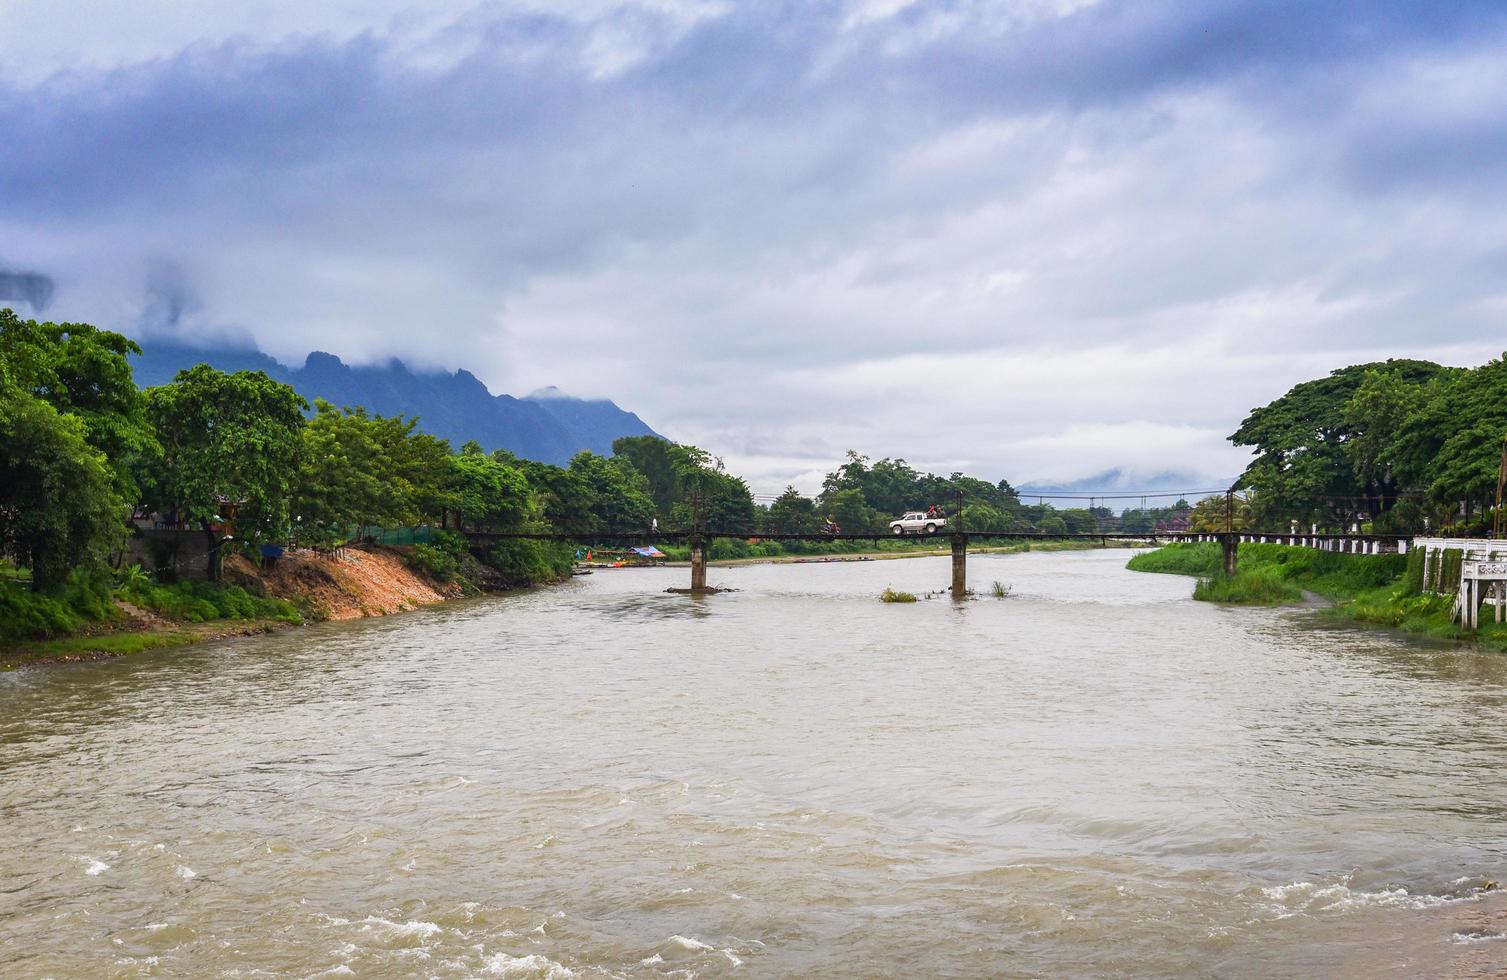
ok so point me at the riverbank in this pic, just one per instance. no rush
(300, 587)
(1377, 590)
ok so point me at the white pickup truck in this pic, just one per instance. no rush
(916, 522)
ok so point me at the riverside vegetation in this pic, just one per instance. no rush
(245, 461)
(1383, 590)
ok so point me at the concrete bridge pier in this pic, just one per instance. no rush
(1231, 545)
(699, 548)
(960, 566)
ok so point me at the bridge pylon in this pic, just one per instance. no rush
(699, 548)
(959, 566)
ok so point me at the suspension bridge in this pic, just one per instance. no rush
(700, 541)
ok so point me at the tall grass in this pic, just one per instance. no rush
(1253, 586)
(202, 602)
(1380, 589)
(1193, 558)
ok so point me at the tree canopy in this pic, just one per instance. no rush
(228, 440)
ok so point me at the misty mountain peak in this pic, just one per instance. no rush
(549, 425)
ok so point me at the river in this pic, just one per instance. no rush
(1094, 776)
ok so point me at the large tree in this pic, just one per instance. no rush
(617, 493)
(1451, 446)
(791, 513)
(59, 505)
(229, 441)
(486, 493)
(83, 372)
(1304, 468)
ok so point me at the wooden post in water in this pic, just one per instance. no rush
(959, 566)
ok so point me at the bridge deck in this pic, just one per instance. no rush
(1246, 537)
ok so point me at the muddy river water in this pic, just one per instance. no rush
(1095, 776)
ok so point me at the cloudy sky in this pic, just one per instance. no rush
(1035, 239)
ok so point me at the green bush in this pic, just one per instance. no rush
(25, 615)
(890, 595)
(202, 602)
(433, 561)
(84, 597)
(88, 592)
(525, 562)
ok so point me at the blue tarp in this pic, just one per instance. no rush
(650, 552)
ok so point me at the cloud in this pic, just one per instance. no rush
(31, 288)
(979, 235)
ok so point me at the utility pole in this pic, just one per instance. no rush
(1230, 545)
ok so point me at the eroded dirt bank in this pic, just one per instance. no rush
(356, 582)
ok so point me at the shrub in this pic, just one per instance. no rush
(890, 595)
(525, 562)
(433, 561)
(25, 615)
(82, 598)
(201, 602)
(132, 577)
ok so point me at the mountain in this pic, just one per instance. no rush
(1124, 489)
(548, 425)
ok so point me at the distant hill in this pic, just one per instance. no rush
(1118, 483)
(548, 425)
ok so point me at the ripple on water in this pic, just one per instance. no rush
(1097, 776)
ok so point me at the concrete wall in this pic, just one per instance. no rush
(168, 554)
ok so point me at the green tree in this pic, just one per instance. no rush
(1078, 520)
(1213, 514)
(420, 463)
(662, 465)
(488, 494)
(227, 440)
(558, 498)
(850, 510)
(83, 372)
(345, 476)
(1452, 445)
(718, 500)
(1304, 468)
(1052, 524)
(59, 503)
(792, 513)
(617, 494)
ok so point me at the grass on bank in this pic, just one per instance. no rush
(78, 615)
(1383, 590)
(202, 602)
(87, 647)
